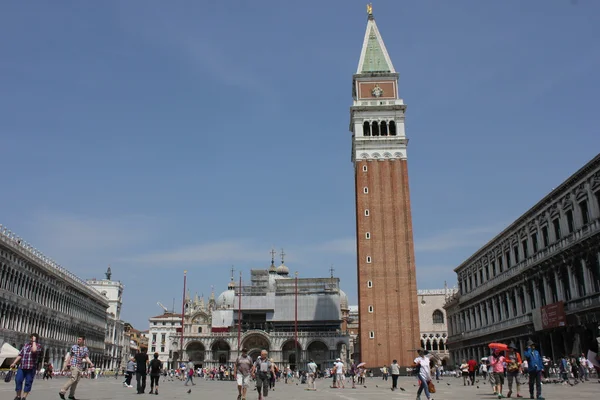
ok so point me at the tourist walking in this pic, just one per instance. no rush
(129, 371)
(78, 355)
(27, 361)
(340, 374)
(472, 368)
(49, 370)
(395, 371)
(497, 363)
(513, 369)
(464, 370)
(535, 367)
(141, 369)
(190, 373)
(241, 370)
(422, 365)
(312, 375)
(260, 371)
(155, 369)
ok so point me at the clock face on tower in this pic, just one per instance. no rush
(377, 91)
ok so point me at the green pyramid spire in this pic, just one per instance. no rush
(374, 56)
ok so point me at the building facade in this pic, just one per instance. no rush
(114, 340)
(162, 329)
(387, 286)
(433, 321)
(39, 296)
(539, 279)
(213, 333)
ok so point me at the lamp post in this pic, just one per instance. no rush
(239, 313)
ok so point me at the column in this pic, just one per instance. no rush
(527, 299)
(547, 290)
(489, 312)
(572, 282)
(589, 284)
(510, 305)
(518, 304)
(536, 293)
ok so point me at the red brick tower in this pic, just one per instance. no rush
(387, 286)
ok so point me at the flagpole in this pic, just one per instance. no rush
(239, 313)
(182, 315)
(296, 325)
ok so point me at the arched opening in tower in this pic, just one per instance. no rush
(366, 128)
(392, 128)
(375, 128)
(384, 128)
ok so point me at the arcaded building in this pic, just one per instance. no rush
(37, 295)
(387, 285)
(538, 279)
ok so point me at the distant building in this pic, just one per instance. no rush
(433, 321)
(162, 327)
(114, 340)
(268, 320)
(538, 279)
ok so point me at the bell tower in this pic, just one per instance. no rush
(387, 286)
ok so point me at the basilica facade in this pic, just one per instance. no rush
(295, 319)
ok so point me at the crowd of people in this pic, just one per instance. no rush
(515, 369)
(504, 365)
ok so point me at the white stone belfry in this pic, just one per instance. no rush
(377, 113)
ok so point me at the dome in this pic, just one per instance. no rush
(272, 268)
(226, 299)
(343, 300)
(283, 270)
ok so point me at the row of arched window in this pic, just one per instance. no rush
(379, 128)
(434, 344)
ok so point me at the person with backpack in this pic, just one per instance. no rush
(261, 372)
(513, 369)
(154, 369)
(241, 370)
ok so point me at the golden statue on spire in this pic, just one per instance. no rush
(370, 9)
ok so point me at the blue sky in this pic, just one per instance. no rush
(196, 135)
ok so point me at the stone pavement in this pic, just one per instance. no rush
(109, 388)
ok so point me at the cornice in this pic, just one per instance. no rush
(560, 199)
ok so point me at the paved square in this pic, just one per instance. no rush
(376, 388)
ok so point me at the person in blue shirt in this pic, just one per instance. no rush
(535, 369)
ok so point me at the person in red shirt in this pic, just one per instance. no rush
(472, 368)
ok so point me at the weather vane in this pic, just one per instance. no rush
(370, 9)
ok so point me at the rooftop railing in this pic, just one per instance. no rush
(17, 244)
(581, 234)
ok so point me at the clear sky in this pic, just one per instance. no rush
(157, 137)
